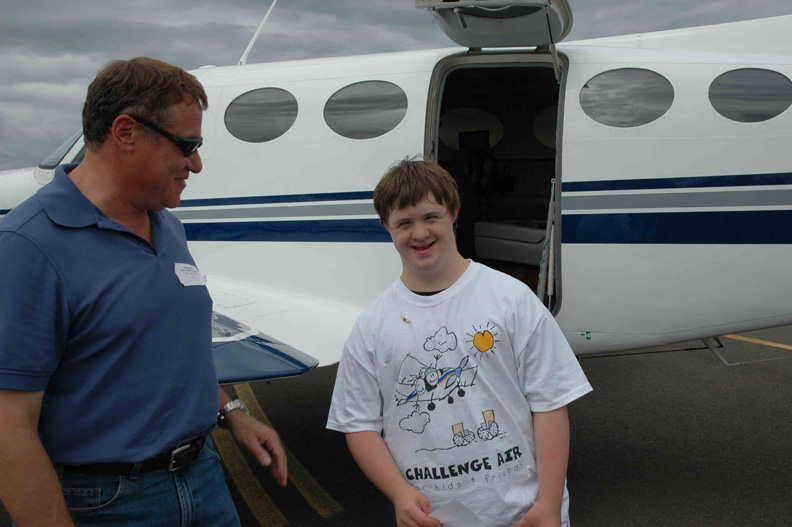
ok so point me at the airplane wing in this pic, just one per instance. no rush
(242, 354)
(263, 333)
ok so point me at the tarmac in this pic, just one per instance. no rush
(670, 436)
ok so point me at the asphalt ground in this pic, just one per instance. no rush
(670, 436)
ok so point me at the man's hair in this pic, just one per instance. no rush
(411, 180)
(142, 87)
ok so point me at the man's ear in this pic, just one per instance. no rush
(124, 132)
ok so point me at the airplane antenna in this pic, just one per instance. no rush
(243, 60)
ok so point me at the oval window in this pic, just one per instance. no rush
(365, 110)
(751, 95)
(626, 97)
(261, 115)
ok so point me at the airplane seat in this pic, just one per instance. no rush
(509, 242)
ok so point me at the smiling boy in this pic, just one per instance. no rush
(454, 382)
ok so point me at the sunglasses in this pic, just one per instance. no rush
(188, 145)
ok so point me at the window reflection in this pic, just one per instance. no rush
(54, 159)
(80, 156)
(626, 97)
(261, 115)
(366, 109)
(751, 95)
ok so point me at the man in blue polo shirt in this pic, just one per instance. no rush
(108, 392)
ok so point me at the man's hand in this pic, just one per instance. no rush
(541, 516)
(413, 509)
(29, 487)
(261, 441)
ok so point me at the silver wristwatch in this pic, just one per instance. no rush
(236, 404)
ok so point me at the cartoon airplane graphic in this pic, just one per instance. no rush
(432, 384)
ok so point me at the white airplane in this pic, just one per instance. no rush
(641, 184)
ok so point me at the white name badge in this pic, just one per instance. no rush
(189, 275)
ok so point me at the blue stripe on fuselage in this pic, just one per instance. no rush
(368, 230)
(723, 227)
(680, 182)
(286, 198)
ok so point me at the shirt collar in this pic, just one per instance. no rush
(64, 203)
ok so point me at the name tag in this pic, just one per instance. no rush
(189, 275)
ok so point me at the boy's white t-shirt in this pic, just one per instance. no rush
(451, 381)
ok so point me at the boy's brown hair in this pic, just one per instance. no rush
(411, 180)
(144, 87)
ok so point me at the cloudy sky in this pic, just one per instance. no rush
(51, 49)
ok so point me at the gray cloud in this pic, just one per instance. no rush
(50, 50)
(602, 18)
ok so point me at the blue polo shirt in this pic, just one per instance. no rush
(104, 324)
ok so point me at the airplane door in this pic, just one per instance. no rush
(501, 23)
(493, 126)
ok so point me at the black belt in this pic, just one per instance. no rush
(179, 457)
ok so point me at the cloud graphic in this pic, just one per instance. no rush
(441, 341)
(415, 422)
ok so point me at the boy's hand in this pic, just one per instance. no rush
(541, 516)
(413, 509)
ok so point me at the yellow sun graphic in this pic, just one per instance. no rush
(483, 340)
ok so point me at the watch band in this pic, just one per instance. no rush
(236, 404)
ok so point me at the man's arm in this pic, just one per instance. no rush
(372, 456)
(259, 439)
(551, 432)
(29, 487)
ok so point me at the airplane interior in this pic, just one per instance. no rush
(498, 139)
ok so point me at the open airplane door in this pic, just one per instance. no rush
(494, 128)
(501, 23)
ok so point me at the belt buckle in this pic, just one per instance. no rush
(174, 464)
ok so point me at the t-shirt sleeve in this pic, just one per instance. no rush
(33, 315)
(357, 403)
(548, 371)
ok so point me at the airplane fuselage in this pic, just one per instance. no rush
(662, 222)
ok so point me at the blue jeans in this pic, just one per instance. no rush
(194, 496)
